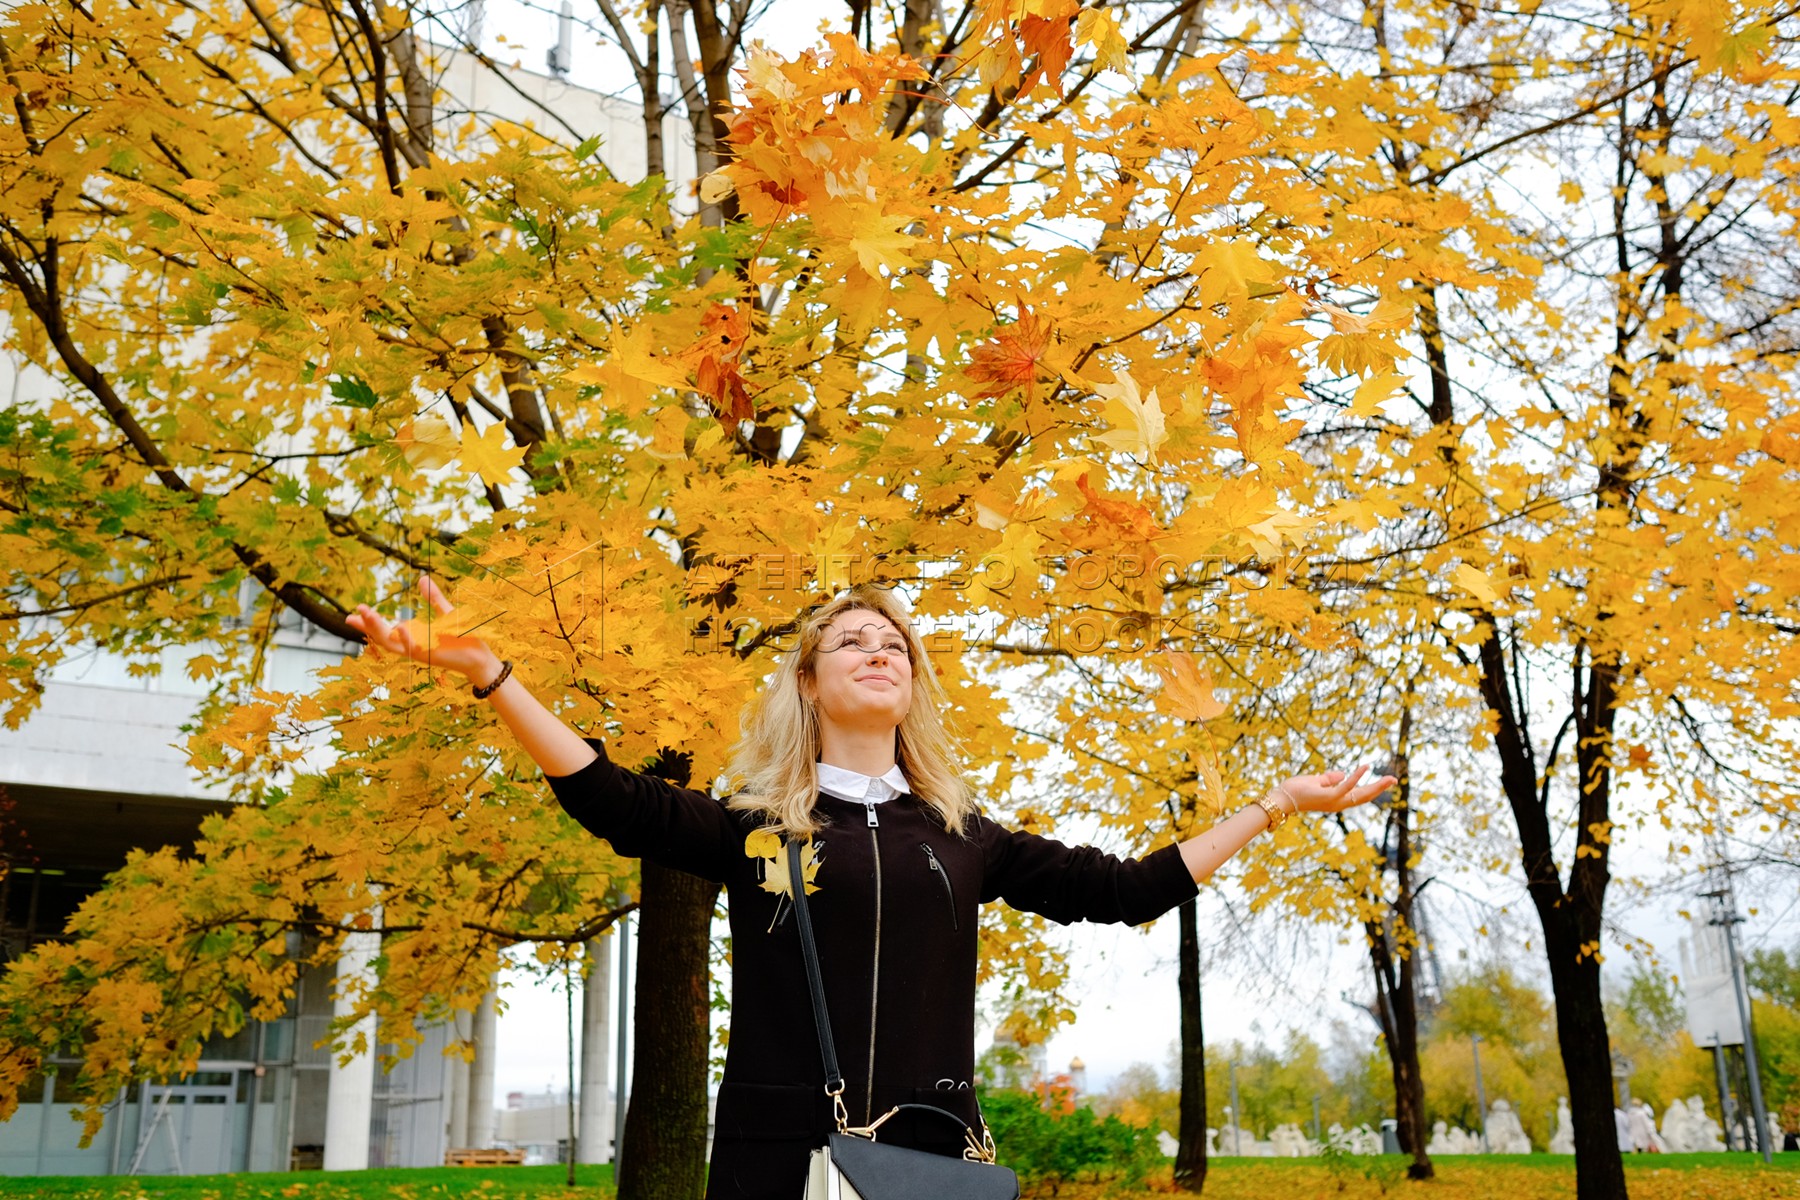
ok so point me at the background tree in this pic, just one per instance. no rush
(1565, 450)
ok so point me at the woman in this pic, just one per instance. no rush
(845, 751)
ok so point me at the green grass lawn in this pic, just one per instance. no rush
(394, 1183)
(1513, 1177)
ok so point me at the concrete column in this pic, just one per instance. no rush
(350, 1087)
(458, 1099)
(592, 1140)
(481, 1075)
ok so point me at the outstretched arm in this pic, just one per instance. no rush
(556, 748)
(1334, 791)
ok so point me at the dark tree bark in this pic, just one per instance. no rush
(663, 1154)
(1570, 917)
(1396, 979)
(1190, 1154)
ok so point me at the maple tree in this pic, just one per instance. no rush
(1592, 437)
(301, 330)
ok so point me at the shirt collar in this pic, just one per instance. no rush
(854, 786)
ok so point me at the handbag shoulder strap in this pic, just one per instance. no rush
(809, 950)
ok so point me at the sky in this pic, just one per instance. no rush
(1256, 986)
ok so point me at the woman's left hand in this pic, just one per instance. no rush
(1334, 791)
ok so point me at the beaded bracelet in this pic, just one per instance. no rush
(482, 693)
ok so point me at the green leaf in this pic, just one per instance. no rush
(353, 392)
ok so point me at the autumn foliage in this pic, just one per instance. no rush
(1108, 330)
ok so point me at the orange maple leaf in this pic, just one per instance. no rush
(1013, 359)
(1118, 521)
(1050, 40)
(714, 359)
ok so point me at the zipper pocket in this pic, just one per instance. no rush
(938, 868)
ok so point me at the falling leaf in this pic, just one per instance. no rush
(1227, 268)
(1013, 359)
(767, 845)
(1137, 421)
(633, 372)
(427, 442)
(1272, 532)
(715, 186)
(989, 518)
(1046, 37)
(1187, 690)
(1475, 582)
(1099, 28)
(715, 359)
(1371, 392)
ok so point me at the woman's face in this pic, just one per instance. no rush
(861, 675)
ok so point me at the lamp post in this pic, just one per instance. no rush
(1480, 1092)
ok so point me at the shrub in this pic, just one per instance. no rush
(1058, 1148)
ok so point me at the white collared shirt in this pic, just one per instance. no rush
(859, 788)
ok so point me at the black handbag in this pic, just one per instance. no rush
(853, 1165)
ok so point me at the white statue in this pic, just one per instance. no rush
(1677, 1130)
(1235, 1141)
(1447, 1140)
(1289, 1142)
(1563, 1140)
(1774, 1131)
(1505, 1134)
(1622, 1130)
(1705, 1135)
(1644, 1138)
(1166, 1142)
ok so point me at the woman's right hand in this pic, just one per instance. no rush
(432, 644)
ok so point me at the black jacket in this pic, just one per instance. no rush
(895, 919)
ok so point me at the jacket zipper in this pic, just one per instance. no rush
(949, 891)
(875, 973)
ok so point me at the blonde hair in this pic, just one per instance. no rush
(776, 758)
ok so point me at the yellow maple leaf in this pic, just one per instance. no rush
(488, 455)
(715, 186)
(1187, 690)
(1372, 392)
(878, 244)
(1475, 582)
(1099, 28)
(1013, 562)
(1137, 420)
(767, 845)
(1268, 534)
(632, 372)
(1227, 268)
(427, 442)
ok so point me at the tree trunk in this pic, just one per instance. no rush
(1396, 973)
(1409, 1082)
(663, 1155)
(1570, 918)
(1587, 1060)
(1190, 1154)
